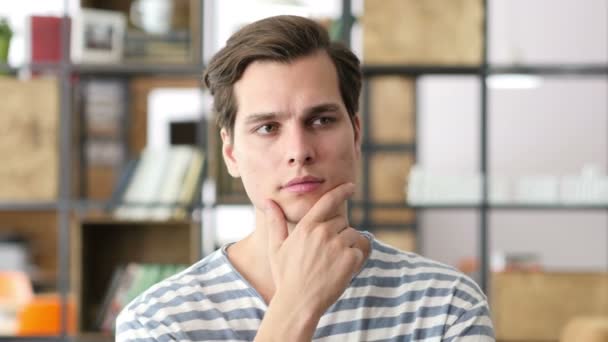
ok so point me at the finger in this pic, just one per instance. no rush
(276, 225)
(329, 204)
(358, 259)
(334, 226)
(349, 237)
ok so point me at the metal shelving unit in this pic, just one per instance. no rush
(65, 205)
(482, 71)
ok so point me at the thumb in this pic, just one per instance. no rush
(275, 225)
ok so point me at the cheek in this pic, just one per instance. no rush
(346, 159)
(258, 174)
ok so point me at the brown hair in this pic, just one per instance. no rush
(283, 39)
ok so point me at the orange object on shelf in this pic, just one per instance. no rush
(42, 316)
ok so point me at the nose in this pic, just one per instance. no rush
(300, 147)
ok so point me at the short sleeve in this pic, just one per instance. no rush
(473, 325)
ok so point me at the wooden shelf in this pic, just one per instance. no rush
(101, 245)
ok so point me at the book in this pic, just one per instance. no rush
(45, 39)
(191, 182)
(179, 159)
(115, 283)
(118, 296)
(163, 184)
(141, 191)
(126, 284)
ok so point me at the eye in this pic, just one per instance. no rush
(267, 129)
(323, 121)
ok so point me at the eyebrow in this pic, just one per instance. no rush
(314, 110)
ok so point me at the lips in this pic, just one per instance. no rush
(303, 184)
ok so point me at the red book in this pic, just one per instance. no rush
(46, 39)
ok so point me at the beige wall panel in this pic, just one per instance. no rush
(29, 139)
(537, 306)
(404, 240)
(388, 175)
(423, 32)
(392, 110)
(392, 216)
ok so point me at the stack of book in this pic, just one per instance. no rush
(104, 115)
(161, 185)
(128, 282)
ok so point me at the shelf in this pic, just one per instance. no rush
(111, 69)
(512, 206)
(28, 206)
(138, 68)
(537, 69)
(100, 245)
(380, 205)
(110, 221)
(371, 147)
(33, 338)
(80, 205)
(393, 227)
(418, 70)
(553, 70)
(368, 70)
(41, 66)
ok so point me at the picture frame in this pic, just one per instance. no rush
(97, 36)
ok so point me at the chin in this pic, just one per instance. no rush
(296, 211)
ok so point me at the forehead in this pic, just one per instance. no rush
(271, 86)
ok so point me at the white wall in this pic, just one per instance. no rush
(553, 129)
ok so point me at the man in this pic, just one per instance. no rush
(287, 101)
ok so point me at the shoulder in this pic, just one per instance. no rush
(447, 297)
(397, 267)
(174, 296)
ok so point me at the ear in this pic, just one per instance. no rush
(357, 129)
(228, 153)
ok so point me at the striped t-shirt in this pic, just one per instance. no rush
(397, 296)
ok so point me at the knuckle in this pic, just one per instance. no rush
(322, 232)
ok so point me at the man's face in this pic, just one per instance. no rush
(293, 138)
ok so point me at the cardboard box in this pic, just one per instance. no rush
(392, 110)
(429, 32)
(29, 139)
(537, 306)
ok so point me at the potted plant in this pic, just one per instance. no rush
(5, 39)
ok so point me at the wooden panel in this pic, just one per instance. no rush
(392, 110)
(388, 176)
(423, 32)
(392, 216)
(29, 128)
(40, 230)
(140, 88)
(537, 306)
(404, 240)
(101, 182)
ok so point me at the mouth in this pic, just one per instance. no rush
(302, 185)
